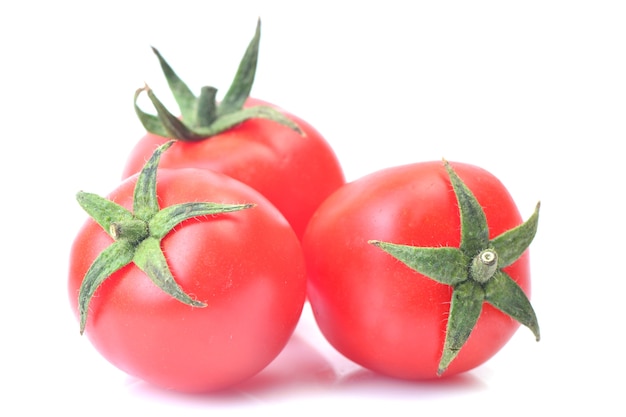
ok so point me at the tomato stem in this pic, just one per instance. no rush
(133, 230)
(484, 265)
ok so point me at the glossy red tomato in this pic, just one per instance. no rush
(296, 173)
(376, 310)
(246, 266)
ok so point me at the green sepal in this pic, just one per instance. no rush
(183, 95)
(465, 308)
(145, 202)
(504, 294)
(150, 259)
(474, 229)
(202, 117)
(169, 217)
(229, 120)
(149, 121)
(103, 211)
(110, 260)
(137, 236)
(511, 244)
(446, 265)
(241, 86)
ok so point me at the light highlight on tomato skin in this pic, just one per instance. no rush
(247, 266)
(374, 309)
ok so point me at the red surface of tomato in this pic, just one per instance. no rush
(376, 310)
(247, 266)
(296, 173)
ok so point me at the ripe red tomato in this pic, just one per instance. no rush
(295, 172)
(246, 266)
(376, 310)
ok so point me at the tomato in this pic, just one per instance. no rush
(278, 154)
(243, 271)
(379, 310)
(295, 172)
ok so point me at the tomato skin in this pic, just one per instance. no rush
(374, 309)
(296, 173)
(246, 265)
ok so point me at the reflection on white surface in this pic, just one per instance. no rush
(309, 368)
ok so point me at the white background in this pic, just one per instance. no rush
(533, 91)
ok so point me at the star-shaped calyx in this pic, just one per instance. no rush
(202, 117)
(474, 270)
(137, 235)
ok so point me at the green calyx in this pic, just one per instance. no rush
(201, 116)
(474, 270)
(137, 235)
